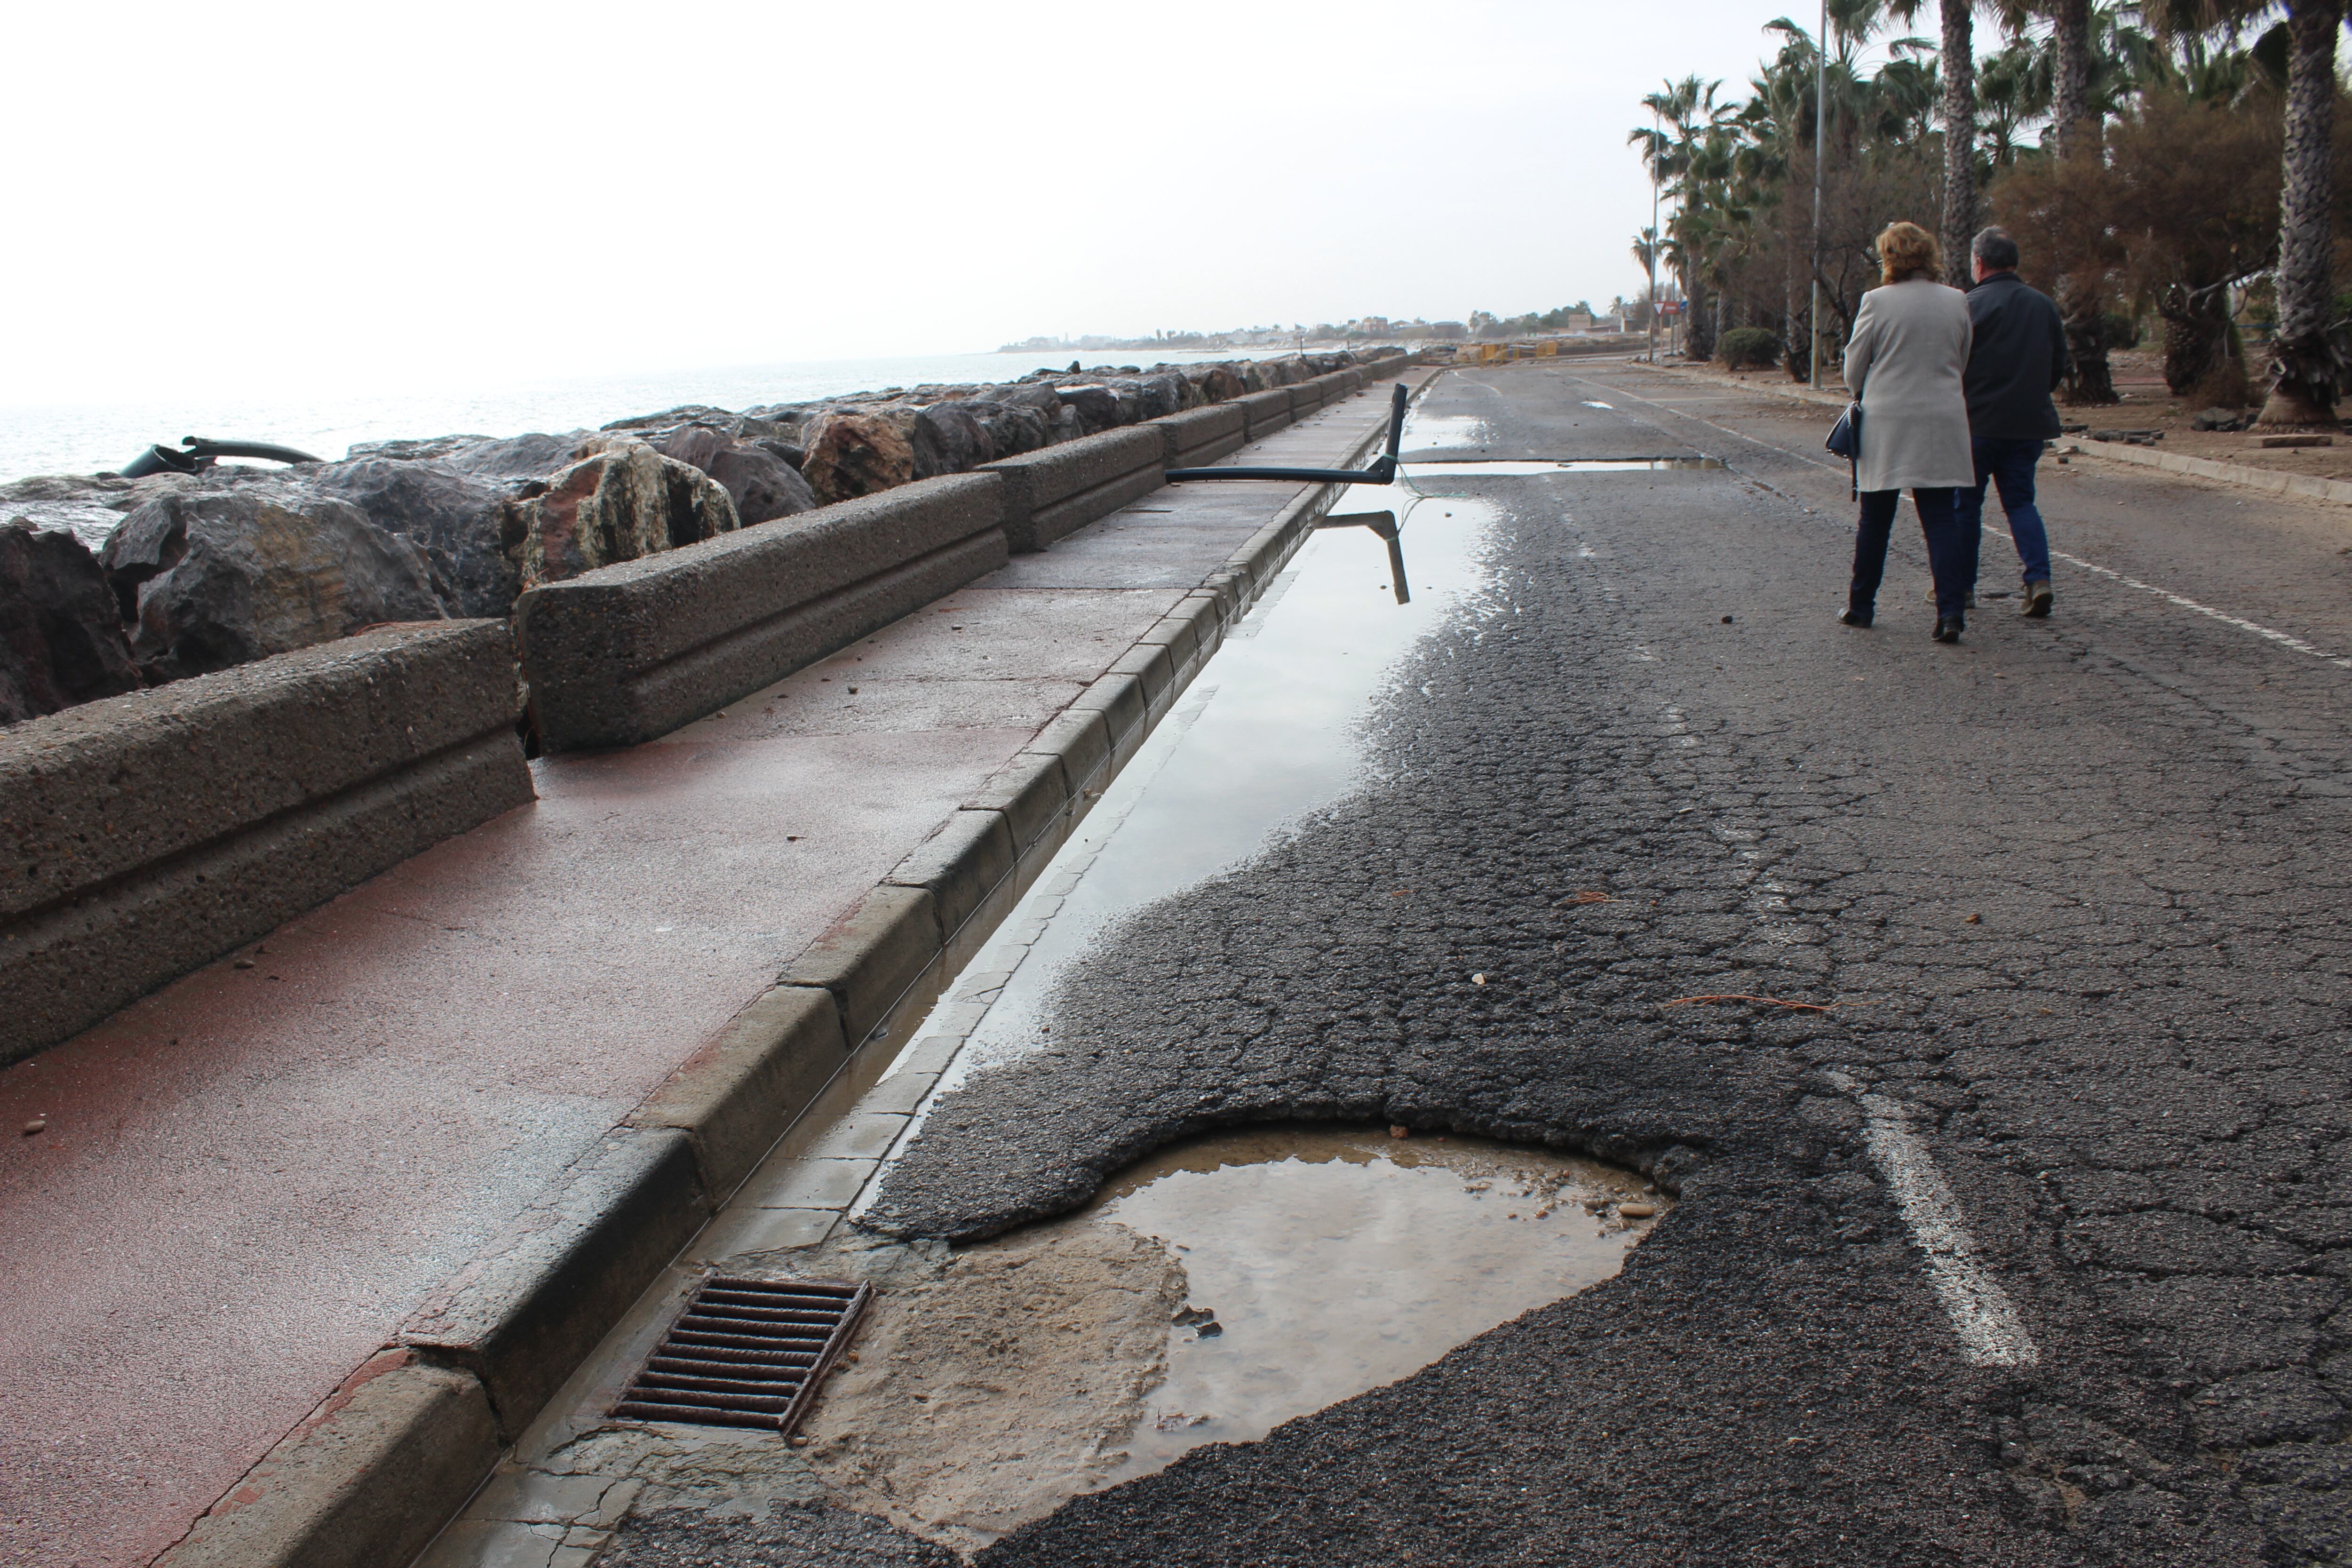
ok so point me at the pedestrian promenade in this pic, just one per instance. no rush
(247, 1181)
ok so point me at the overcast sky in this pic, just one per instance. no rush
(243, 196)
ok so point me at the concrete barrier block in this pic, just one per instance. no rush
(959, 865)
(1306, 398)
(872, 956)
(1201, 436)
(1054, 491)
(1065, 518)
(735, 1097)
(1032, 791)
(146, 834)
(1178, 634)
(529, 1310)
(1266, 411)
(364, 1482)
(626, 653)
(1081, 739)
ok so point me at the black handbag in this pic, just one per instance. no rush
(1845, 441)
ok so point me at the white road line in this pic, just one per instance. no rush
(1990, 1331)
(2284, 639)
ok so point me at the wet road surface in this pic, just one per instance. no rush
(1984, 1003)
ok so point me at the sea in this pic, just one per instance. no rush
(87, 438)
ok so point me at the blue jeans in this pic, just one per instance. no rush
(2010, 466)
(1947, 552)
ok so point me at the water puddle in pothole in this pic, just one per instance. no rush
(1208, 1294)
(1543, 467)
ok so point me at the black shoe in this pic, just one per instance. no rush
(2037, 600)
(1854, 618)
(1949, 627)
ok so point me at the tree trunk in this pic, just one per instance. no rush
(2196, 337)
(1701, 341)
(1959, 65)
(2076, 134)
(2305, 366)
(2071, 38)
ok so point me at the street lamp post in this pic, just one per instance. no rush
(1657, 132)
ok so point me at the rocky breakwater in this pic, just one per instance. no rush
(196, 572)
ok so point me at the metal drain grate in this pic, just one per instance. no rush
(747, 1352)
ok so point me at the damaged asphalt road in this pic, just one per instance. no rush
(2068, 894)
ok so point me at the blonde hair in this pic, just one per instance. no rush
(1905, 250)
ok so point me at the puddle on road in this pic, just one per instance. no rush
(1541, 468)
(1333, 1262)
(1447, 433)
(1271, 732)
(1210, 1293)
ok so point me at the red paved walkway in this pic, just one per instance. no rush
(249, 1179)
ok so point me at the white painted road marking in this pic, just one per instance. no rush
(2283, 639)
(1990, 1331)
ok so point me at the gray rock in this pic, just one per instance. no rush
(230, 569)
(61, 636)
(87, 506)
(1097, 406)
(1160, 395)
(466, 525)
(757, 478)
(949, 440)
(1012, 427)
(854, 452)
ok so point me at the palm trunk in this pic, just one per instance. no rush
(2077, 133)
(2305, 366)
(1960, 141)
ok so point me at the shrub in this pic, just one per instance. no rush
(1748, 348)
(2122, 330)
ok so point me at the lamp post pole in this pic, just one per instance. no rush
(1821, 159)
(1657, 129)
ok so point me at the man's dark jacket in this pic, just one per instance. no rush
(2018, 359)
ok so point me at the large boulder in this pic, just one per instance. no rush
(61, 637)
(755, 475)
(237, 569)
(87, 506)
(1011, 427)
(1160, 395)
(465, 524)
(853, 452)
(1097, 406)
(948, 439)
(620, 501)
(511, 462)
(1216, 383)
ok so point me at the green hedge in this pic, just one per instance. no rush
(1747, 348)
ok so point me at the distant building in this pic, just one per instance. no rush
(1448, 329)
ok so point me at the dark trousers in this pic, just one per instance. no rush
(1948, 548)
(2008, 465)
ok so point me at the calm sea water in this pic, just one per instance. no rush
(91, 438)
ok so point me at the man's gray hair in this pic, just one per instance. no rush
(1996, 249)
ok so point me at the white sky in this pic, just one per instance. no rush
(243, 196)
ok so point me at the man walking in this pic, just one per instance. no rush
(2016, 361)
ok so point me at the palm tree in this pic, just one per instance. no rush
(2306, 368)
(2075, 132)
(1957, 62)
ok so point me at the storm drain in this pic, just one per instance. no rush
(747, 1352)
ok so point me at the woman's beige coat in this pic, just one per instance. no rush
(1909, 353)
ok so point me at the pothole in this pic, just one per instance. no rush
(1211, 1292)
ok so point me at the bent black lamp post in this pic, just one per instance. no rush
(1382, 472)
(201, 453)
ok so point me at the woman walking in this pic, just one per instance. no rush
(1906, 365)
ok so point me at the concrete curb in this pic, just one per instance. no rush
(496, 1343)
(2307, 487)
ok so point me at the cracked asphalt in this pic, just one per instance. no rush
(2067, 893)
